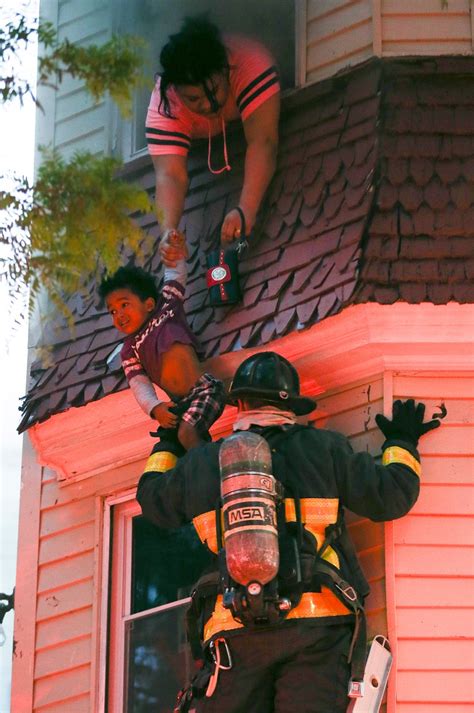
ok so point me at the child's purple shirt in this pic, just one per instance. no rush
(141, 352)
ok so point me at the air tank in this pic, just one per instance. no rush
(249, 498)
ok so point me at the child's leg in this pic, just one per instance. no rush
(188, 436)
(168, 441)
(200, 409)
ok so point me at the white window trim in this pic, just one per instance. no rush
(126, 141)
(127, 497)
(301, 23)
(119, 599)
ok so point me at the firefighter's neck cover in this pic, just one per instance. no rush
(265, 416)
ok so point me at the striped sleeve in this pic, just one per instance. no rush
(130, 364)
(163, 134)
(173, 291)
(255, 76)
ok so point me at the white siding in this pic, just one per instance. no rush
(336, 34)
(426, 27)
(65, 601)
(65, 671)
(434, 556)
(73, 121)
(339, 34)
(343, 33)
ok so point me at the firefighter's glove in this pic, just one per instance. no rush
(407, 422)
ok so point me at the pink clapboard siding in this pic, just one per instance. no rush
(432, 559)
(65, 672)
(65, 599)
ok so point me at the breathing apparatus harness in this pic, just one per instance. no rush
(257, 607)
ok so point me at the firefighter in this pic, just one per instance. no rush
(304, 656)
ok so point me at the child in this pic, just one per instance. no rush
(160, 348)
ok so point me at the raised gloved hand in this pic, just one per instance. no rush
(407, 422)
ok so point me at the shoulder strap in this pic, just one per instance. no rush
(328, 575)
(205, 590)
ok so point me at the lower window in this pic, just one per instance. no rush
(152, 574)
(157, 661)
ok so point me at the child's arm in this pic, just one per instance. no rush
(144, 392)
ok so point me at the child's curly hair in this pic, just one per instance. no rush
(135, 279)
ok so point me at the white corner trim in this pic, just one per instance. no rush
(301, 31)
(361, 341)
(377, 28)
(22, 692)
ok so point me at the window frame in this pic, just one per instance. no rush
(125, 130)
(115, 604)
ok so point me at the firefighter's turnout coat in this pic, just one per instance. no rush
(317, 468)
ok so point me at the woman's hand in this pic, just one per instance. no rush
(163, 415)
(172, 247)
(232, 226)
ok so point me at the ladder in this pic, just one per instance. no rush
(368, 696)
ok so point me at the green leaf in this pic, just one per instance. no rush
(79, 217)
(76, 221)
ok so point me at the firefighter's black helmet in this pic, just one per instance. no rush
(270, 377)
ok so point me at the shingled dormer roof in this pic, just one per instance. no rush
(373, 200)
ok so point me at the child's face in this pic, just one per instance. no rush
(128, 311)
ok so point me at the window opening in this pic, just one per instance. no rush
(153, 571)
(272, 22)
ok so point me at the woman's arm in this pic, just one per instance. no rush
(261, 133)
(171, 187)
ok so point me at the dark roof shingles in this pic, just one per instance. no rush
(420, 235)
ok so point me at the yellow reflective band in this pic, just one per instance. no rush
(160, 462)
(220, 620)
(330, 555)
(205, 525)
(314, 511)
(317, 604)
(316, 515)
(395, 454)
(312, 605)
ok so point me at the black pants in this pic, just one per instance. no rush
(301, 667)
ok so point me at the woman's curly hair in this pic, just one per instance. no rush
(191, 56)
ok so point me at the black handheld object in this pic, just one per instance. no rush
(222, 275)
(407, 422)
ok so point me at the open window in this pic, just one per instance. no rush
(273, 22)
(152, 572)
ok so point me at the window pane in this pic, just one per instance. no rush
(270, 21)
(158, 661)
(166, 563)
